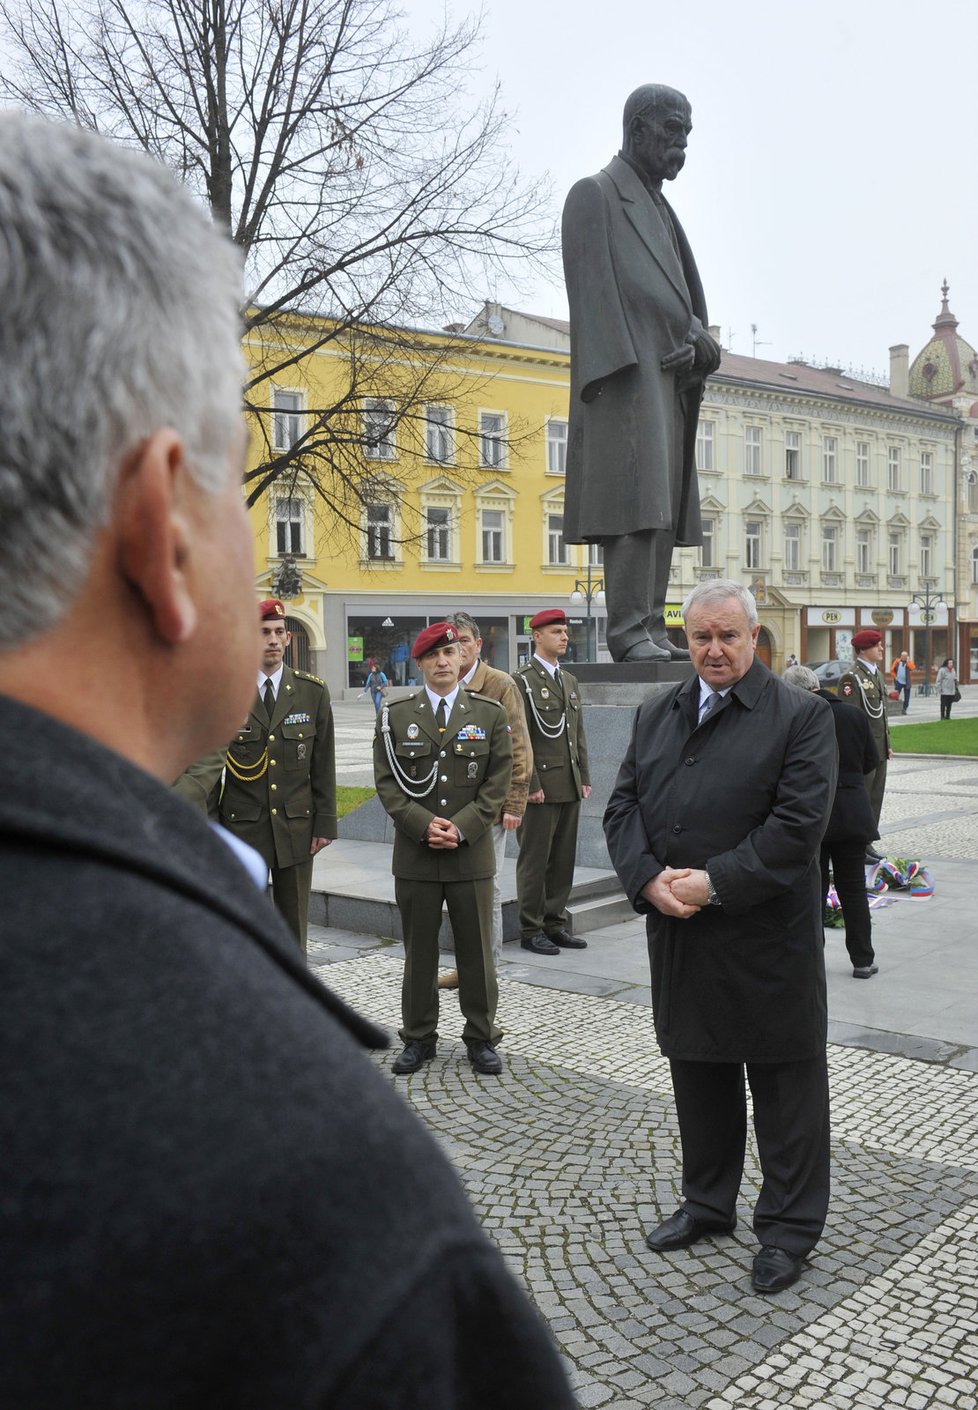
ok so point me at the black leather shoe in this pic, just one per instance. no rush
(680, 1230)
(540, 945)
(872, 856)
(415, 1055)
(865, 971)
(484, 1058)
(566, 940)
(775, 1269)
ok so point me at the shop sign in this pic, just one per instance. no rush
(354, 648)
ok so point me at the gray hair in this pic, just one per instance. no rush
(462, 622)
(720, 590)
(801, 676)
(119, 317)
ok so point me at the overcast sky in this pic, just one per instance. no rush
(830, 180)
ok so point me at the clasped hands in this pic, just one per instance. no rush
(678, 891)
(441, 834)
(699, 352)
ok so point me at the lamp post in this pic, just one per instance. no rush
(589, 590)
(927, 609)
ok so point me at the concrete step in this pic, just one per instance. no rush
(596, 912)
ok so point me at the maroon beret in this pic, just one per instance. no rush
(438, 634)
(271, 610)
(548, 617)
(869, 637)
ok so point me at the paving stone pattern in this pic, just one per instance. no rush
(574, 1152)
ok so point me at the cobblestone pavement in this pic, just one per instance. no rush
(574, 1152)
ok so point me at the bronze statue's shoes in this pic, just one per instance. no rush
(448, 980)
(678, 653)
(681, 1229)
(646, 651)
(775, 1269)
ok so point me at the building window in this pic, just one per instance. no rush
(493, 527)
(926, 556)
(290, 516)
(864, 551)
(595, 555)
(556, 548)
(753, 536)
(705, 434)
(556, 447)
(971, 480)
(926, 472)
(492, 439)
(380, 519)
(286, 419)
(792, 548)
(896, 553)
(830, 548)
(439, 534)
(792, 455)
(862, 464)
(830, 450)
(893, 468)
(439, 442)
(708, 548)
(974, 566)
(752, 450)
(378, 430)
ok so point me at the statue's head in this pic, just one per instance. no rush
(655, 125)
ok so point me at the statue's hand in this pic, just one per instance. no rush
(680, 359)
(707, 354)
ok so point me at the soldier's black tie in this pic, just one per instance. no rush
(268, 697)
(441, 717)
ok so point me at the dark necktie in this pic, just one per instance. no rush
(441, 716)
(557, 680)
(268, 697)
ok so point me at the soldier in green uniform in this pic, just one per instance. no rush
(280, 776)
(442, 761)
(866, 686)
(560, 779)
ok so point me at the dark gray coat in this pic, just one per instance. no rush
(207, 1197)
(632, 299)
(852, 814)
(747, 796)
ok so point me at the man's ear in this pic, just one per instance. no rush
(154, 534)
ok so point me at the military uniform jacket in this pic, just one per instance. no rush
(870, 689)
(560, 762)
(280, 783)
(462, 775)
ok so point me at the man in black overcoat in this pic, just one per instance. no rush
(640, 353)
(714, 827)
(208, 1197)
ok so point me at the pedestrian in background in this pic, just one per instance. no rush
(851, 824)
(947, 686)
(902, 672)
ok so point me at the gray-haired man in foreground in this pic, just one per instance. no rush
(207, 1197)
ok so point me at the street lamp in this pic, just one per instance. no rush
(927, 609)
(588, 591)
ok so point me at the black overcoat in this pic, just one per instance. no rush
(852, 813)
(747, 796)
(634, 297)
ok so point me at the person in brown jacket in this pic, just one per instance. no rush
(479, 676)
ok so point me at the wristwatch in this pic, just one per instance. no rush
(712, 899)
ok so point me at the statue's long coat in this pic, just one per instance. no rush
(633, 299)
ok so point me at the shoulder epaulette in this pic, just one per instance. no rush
(478, 695)
(308, 676)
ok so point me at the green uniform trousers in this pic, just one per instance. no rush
(470, 911)
(545, 866)
(290, 892)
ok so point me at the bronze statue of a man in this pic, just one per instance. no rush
(640, 353)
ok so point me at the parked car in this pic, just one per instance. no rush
(829, 672)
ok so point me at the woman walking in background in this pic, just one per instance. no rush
(947, 686)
